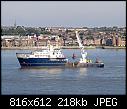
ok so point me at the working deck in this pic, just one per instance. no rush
(79, 65)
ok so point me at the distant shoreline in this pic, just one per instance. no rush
(112, 47)
(63, 47)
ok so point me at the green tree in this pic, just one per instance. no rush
(20, 30)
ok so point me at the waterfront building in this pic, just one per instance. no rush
(118, 41)
(88, 42)
(109, 42)
(114, 41)
(103, 41)
(123, 42)
(97, 42)
(42, 42)
(10, 36)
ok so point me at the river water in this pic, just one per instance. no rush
(109, 80)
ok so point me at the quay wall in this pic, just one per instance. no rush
(63, 47)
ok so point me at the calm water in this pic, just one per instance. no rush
(87, 81)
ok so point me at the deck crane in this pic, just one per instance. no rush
(83, 52)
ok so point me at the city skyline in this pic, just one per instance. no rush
(64, 13)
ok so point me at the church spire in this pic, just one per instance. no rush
(15, 24)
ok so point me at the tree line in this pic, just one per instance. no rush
(23, 31)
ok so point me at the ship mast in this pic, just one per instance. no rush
(83, 52)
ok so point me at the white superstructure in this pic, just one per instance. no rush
(49, 52)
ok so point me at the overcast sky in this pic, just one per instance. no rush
(64, 13)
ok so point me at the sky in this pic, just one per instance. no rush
(64, 13)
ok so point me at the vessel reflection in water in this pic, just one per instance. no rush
(42, 72)
(54, 70)
(82, 71)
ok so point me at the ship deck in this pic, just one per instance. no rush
(79, 65)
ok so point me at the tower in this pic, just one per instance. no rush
(15, 24)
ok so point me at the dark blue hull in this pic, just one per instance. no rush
(40, 62)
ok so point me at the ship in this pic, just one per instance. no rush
(48, 56)
(52, 56)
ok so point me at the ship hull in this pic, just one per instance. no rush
(47, 62)
(100, 65)
(84, 65)
(40, 62)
